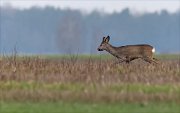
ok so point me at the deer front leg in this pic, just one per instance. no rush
(128, 59)
(120, 60)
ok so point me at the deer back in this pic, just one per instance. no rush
(135, 51)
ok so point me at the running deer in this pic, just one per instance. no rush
(129, 52)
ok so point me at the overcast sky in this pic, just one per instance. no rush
(135, 6)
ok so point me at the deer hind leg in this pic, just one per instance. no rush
(150, 60)
(156, 61)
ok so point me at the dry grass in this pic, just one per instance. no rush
(88, 79)
(89, 71)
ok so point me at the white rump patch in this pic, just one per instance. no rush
(153, 50)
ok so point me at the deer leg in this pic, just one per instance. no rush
(121, 60)
(156, 61)
(147, 60)
(131, 59)
(150, 60)
(128, 60)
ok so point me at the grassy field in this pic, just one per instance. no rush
(78, 84)
(60, 107)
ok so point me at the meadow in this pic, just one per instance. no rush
(92, 84)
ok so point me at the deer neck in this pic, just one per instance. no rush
(112, 50)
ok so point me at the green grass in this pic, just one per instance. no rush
(167, 56)
(78, 107)
(72, 92)
(80, 87)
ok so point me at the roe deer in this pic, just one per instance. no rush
(129, 52)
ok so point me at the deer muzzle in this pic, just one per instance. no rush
(99, 49)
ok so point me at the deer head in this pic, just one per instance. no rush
(104, 44)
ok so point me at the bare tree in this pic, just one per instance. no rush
(70, 34)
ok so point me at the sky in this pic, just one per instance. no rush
(106, 6)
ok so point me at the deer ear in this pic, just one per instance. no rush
(104, 38)
(107, 39)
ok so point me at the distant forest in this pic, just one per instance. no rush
(56, 31)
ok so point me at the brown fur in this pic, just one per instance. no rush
(129, 52)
